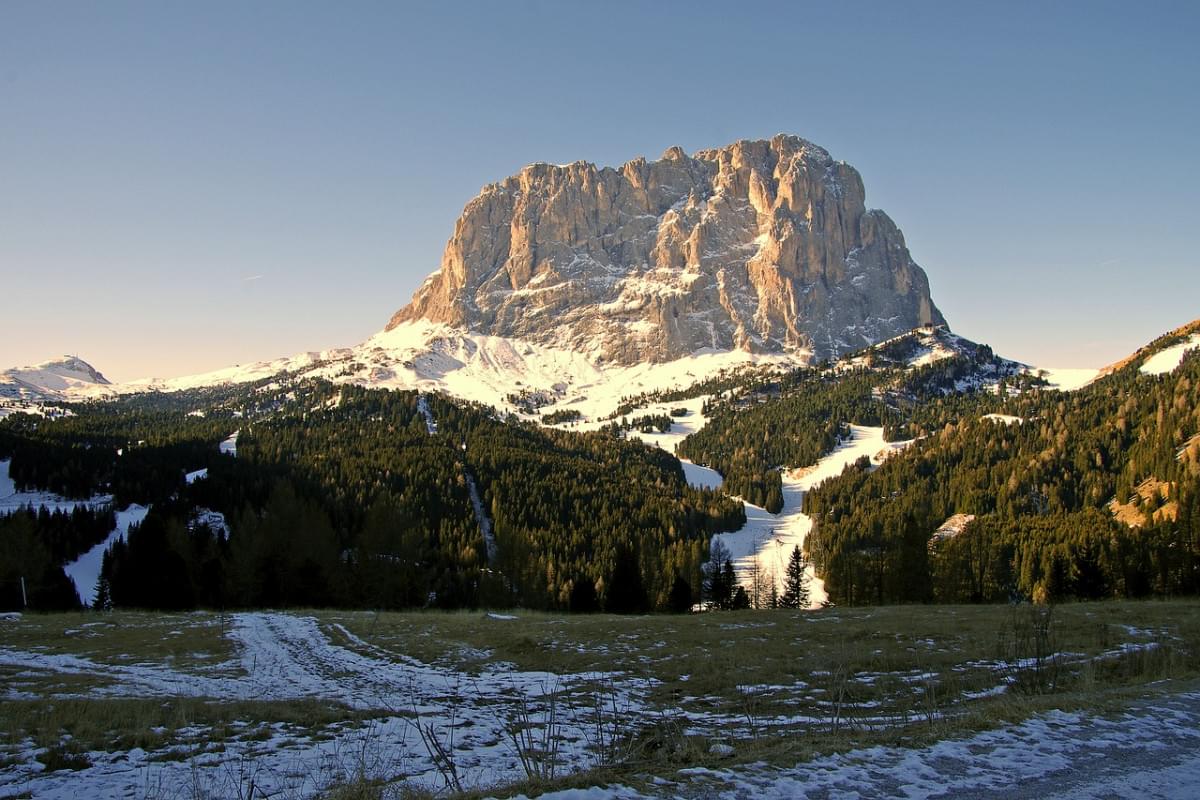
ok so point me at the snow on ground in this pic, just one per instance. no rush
(428, 356)
(483, 520)
(7, 487)
(769, 538)
(11, 500)
(1007, 419)
(229, 446)
(85, 570)
(423, 408)
(1067, 379)
(215, 520)
(198, 475)
(1151, 752)
(681, 427)
(481, 514)
(701, 477)
(766, 538)
(67, 377)
(287, 657)
(1169, 359)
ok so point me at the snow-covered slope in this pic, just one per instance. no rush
(915, 348)
(61, 379)
(429, 356)
(767, 539)
(1169, 358)
(487, 369)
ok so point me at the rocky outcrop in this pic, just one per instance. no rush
(761, 245)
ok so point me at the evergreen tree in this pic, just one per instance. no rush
(795, 584)
(583, 596)
(719, 580)
(626, 592)
(680, 601)
(103, 601)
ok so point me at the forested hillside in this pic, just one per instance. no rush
(1041, 487)
(341, 496)
(345, 496)
(793, 420)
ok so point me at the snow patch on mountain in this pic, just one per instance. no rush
(1067, 379)
(1168, 359)
(432, 357)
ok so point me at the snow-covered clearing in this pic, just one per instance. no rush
(1067, 379)
(1151, 751)
(423, 408)
(483, 519)
(701, 477)
(768, 538)
(1169, 359)
(85, 570)
(1007, 419)
(681, 427)
(229, 446)
(11, 500)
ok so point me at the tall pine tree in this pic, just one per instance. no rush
(795, 585)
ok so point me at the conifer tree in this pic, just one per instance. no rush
(795, 585)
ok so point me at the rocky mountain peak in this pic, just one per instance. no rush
(761, 245)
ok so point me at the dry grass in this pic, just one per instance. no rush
(782, 685)
(185, 641)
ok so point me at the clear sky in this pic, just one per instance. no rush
(186, 186)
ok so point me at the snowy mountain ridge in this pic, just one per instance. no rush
(68, 377)
(491, 369)
(477, 367)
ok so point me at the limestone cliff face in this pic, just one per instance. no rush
(760, 245)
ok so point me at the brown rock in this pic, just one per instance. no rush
(760, 245)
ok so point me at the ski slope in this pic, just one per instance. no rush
(768, 539)
(85, 570)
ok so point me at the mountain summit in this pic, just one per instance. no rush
(761, 246)
(69, 376)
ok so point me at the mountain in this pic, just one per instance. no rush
(583, 285)
(761, 246)
(60, 379)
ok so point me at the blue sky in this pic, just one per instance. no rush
(186, 186)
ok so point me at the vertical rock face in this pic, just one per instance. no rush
(761, 245)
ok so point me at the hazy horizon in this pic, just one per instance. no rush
(185, 188)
